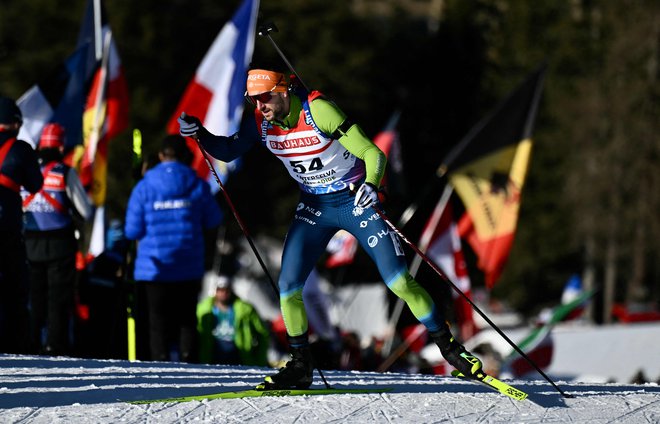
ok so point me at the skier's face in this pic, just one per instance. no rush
(274, 106)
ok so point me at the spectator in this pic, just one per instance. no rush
(230, 329)
(103, 290)
(51, 244)
(18, 167)
(167, 213)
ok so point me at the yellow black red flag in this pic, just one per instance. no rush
(105, 112)
(487, 169)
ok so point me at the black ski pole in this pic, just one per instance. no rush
(264, 31)
(235, 213)
(243, 228)
(475, 307)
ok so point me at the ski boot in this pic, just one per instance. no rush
(454, 352)
(297, 374)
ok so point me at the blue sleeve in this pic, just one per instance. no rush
(134, 229)
(229, 148)
(212, 214)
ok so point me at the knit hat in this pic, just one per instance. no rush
(222, 282)
(52, 136)
(262, 81)
(9, 112)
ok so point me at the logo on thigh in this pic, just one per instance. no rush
(396, 242)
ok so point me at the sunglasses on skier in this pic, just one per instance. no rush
(263, 97)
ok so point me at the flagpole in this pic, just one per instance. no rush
(98, 31)
(96, 130)
(474, 306)
(243, 227)
(424, 242)
(442, 170)
(95, 248)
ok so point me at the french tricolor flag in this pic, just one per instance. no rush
(215, 95)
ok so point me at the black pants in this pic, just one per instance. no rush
(51, 300)
(172, 310)
(14, 315)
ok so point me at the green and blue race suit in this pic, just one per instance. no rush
(325, 160)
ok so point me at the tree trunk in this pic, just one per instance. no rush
(610, 279)
(589, 274)
(636, 292)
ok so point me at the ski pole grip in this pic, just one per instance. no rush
(184, 116)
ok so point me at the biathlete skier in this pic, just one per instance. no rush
(325, 153)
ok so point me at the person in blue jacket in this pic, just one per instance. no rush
(168, 213)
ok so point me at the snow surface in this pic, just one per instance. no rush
(37, 389)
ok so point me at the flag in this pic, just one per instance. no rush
(87, 95)
(573, 290)
(105, 113)
(488, 168)
(106, 108)
(388, 141)
(538, 345)
(215, 95)
(343, 246)
(443, 246)
(59, 98)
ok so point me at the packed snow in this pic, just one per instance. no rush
(36, 389)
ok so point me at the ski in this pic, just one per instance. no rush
(494, 384)
(261, 393)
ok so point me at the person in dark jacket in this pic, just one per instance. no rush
(19, 167)
(168, 212)
(51, 217)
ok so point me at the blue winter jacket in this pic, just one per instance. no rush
(167, 213)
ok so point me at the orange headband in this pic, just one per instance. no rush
(262, 81)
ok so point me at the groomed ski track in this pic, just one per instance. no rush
(67, 390)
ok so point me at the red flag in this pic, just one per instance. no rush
(440, 234)
(388, 141)
(342, 247)
(215, 95)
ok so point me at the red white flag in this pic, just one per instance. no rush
(444, 248)
(216, 93)
(342, 247)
